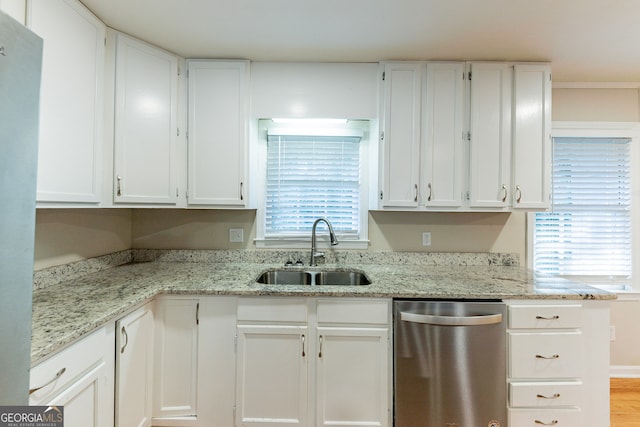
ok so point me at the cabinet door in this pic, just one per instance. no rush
(490, 135)
(145, 151)
(71, 98)
(218, 111)
(401, 135)
(352, 366)
(134, 368)
(441, 182)
(531, 136)
(176, 356)
(82, 401)
(272, 375)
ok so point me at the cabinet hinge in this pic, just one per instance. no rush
(467, 136)
(469, 75)
(178, 132)
(383, 75)
(381, 195)
(179, 71)
(468, 195)
(382, 136)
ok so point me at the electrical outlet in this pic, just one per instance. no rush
(236, 235)
(426, 238)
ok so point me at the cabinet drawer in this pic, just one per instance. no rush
(545, 355)
(56, 373)
(353, 311)
(545, 417)
(545, 394)
(272, 310)
(545, 316)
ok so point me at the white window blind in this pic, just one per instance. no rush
(310, 177)
(588, 232)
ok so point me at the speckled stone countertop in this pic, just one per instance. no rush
(67, 310)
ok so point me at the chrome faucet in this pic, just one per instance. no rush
(332, 236)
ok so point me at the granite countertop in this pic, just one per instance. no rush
(65, 311)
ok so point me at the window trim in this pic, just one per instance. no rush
(605, 130)
(258, 159)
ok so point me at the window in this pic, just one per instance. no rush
(588, 233)
(311, 169)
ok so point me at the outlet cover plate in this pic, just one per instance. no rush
(236, 235)
(426, 238)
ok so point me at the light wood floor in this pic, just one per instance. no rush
(625, 402)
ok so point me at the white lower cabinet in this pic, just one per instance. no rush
(80, 378)
(313, 362)
(558, 363)
(134, 368)
(175, 362)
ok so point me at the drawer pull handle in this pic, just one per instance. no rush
(556, 317)
(552, 423)
(555, 356)
(58, 375)
(303, 352)
(542, 396)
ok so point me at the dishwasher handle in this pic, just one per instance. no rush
(430, 319)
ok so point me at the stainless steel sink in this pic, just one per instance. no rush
(342, 278)
(320, 277)
(284, 277)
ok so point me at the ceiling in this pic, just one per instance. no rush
(585, 40)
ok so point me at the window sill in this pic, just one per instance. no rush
(293, 243)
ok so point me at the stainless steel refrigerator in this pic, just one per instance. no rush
(20, 67)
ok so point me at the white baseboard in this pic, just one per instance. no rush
(622, 371)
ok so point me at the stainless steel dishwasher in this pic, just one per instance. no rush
(449, 364)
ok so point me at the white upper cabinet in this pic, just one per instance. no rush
(490, 135)
(422, 129)
(218, 121)
(502, 110)
(146, 159)
(71, 101)
(532, 136)
(400, 134)
(442, 133)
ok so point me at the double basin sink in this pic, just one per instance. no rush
(314, 278)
